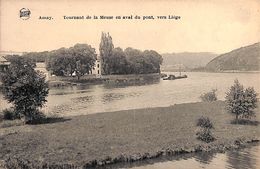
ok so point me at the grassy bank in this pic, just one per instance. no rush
(131, 135)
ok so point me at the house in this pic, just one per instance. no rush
(97, 68)
(3, 64)
(41, 66)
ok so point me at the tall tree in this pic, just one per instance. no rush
(118, 62)
(106, 48)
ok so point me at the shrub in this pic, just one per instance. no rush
(209, 96)
(240, 101)
(10, 114)
(24, 87)
(204, 122)
(204, 132)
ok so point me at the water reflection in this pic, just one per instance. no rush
(204, 158)
(237, 159)
(131, 83)
(66, 90)
(241, 159)
(109, 97)
(83, 99)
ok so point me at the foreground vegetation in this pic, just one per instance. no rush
(241, 102)
(204, 132)
(104, 138)
(26, 89)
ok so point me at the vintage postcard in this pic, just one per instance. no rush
(160, 84)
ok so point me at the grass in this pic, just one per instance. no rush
(10, 123)
(121, 136)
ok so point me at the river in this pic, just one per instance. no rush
(245, 158)
(81, 100)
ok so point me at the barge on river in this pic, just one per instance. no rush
(173, 77)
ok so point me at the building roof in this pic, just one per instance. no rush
(2, 59)
(40, 65)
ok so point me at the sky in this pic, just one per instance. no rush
(217, 26)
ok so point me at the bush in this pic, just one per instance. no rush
(204, 122)
(25, 88)
(240, 101)
(209, 96)
(10, 114)
(204, 132)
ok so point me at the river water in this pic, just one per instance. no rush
(246, 158)
(81, 100)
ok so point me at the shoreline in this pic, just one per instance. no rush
(102, 139)
(201, 71)
(58, 81)
(121, 160)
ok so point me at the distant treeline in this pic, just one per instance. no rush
(80, 59)
(134, 61)
(33, 56)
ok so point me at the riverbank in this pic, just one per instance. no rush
(57, 81)
(122, 136)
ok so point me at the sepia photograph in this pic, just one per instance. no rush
(119, 84)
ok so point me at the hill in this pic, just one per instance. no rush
(189, 60)
(243, 59)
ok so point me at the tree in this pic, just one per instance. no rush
(105, 49)
(118, 62)
(154, 60)
(37, 56)
(84, 58)
(79, 59)
(18, 58)
(140, 62)
(25, 88)
(60, 62)
(241, 102)
(135, 60)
